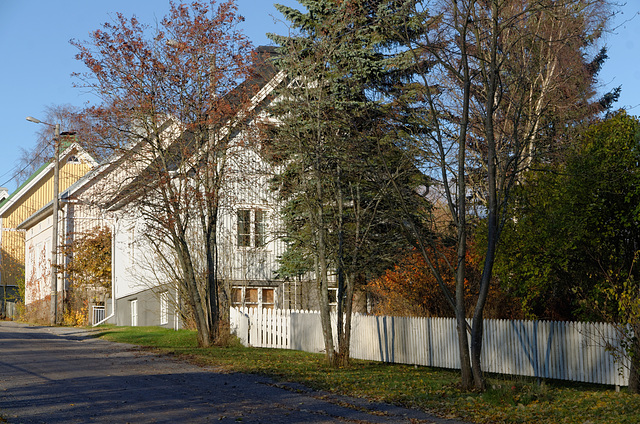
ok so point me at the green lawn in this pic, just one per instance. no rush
(509, 400)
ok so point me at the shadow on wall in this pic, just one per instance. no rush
(11, 271)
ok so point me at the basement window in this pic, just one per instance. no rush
(253, 297)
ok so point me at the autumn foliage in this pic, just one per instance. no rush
(90, 260)
(173, 98)
(88, 269)
(410, 289)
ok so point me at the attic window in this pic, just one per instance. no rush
(73, 159)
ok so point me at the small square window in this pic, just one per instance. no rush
(251, 298)
(236, 296)
(268, 298)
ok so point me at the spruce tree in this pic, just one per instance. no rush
(333, 140)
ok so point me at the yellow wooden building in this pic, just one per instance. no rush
(30, 197)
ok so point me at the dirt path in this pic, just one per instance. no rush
(60, 375)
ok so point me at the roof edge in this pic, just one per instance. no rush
(40, 173)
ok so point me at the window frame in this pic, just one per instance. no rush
(243, 227)
(260, 302)
(259, 228)
(251, 228)
(133, 305)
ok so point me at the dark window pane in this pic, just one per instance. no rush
(251, 296)
(267, 296)
(236, 296)
(259, 228)
(244, 228)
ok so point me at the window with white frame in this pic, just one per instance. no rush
(164, 308)
(259, 228)
(254, 297)
(244, 228)
(251, 227)
(333, 297)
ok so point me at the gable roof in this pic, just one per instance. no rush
(257, 89)
(70, 149)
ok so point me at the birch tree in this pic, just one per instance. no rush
(495, 83)
(171, 103)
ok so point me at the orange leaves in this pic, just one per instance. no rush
(410, 289)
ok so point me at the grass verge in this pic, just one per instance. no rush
(508, 400)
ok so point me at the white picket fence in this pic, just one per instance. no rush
(573, 351)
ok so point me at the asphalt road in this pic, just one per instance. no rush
(61, 375)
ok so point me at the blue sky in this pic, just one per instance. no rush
(36, 59)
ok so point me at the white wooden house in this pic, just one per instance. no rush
(249, 236)
(249, 228)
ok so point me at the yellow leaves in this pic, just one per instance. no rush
(91, 258)
(75, 317)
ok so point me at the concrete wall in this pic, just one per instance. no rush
(148, 306)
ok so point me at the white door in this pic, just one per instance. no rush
(134, 313)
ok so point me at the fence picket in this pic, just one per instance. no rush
(544, 349)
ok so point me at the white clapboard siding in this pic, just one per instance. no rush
(576, 351)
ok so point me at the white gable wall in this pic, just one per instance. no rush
(138, 267)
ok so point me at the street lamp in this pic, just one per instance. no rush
(54, 235)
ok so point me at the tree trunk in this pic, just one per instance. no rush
(461, 222)
(219, 305)
(477, 330)
(322, 275)
(466, 378)
(463, 341)
(323, 293)
(343, 300)
(205, 335)
(477, 326)
(634, 375)
(344, 340)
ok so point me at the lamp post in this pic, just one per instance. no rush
(54, 235)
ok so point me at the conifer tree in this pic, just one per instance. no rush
(331, 138)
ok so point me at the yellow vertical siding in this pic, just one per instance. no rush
(12, 261)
